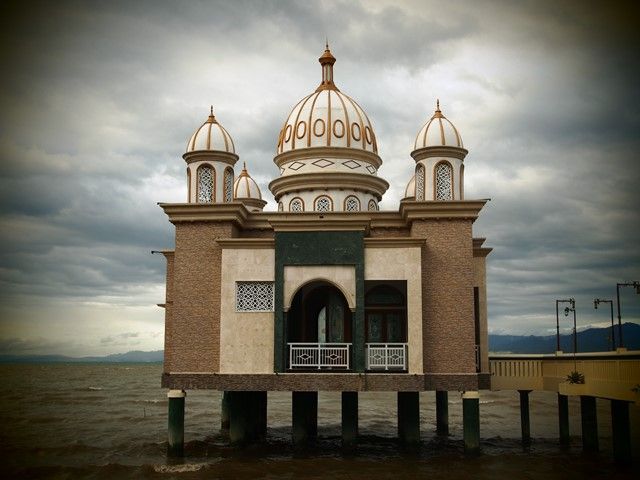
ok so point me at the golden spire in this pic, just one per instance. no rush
(244, 172)
(327, 60)
(212, 117)
(438, 113)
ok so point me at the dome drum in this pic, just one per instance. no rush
(321, 181)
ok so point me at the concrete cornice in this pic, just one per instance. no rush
(245, 243)
(234, 212)
(451, 152)
(450, 209)
(393, 242)
(328, 152)
(323, 222)
(326, 180)
(211, 156)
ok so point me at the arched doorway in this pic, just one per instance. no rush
(319, 328)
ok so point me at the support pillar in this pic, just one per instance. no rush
(621, 431)
(246, 417)
(589, 423)
(442, 412)
(349, 418)
(304, 415)
(224, 413)
(261, 408)
(175, 447)
(563, 419)
(471, 421)
(524, 416)
(409, 417)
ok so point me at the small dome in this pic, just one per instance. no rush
(327, 118)
(245, 186)
(211, 136)
(438, 132)
(410, 191)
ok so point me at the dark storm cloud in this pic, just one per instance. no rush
(101, 98)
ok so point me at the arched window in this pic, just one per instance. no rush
(206, 184)
(419, 182)
(352, 204)
(323, 204)
(443, 181)
(188, 185)
(373, 206)
(280, 207)
(296, 205)
(461, 182)
(228, 185)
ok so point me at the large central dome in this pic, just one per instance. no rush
(327, 150)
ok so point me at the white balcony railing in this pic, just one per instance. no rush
(319, 355)
(387, 356)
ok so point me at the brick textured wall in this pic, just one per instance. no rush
(192, 336)
(168, 309)
(447, 295)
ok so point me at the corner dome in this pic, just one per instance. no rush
(438, 132)
(410, 191)
(211, 136)
(245, 186)
(327, 118)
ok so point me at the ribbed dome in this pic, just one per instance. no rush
(211, 136)
(327, 118)
(438, 132)
(410, 191)
(245, 186)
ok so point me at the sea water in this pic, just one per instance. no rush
(109, 421)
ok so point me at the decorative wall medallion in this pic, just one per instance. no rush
(322, 163)
(295, 166)
(371, 169)
(351, 164)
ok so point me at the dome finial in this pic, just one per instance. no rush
(327, 60)
(437, 105)
(212, 117)
(438, 113)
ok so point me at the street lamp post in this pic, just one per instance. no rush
(597, 302)
(571, 302)
(634, 284)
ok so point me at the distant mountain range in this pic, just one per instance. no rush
(590, 340)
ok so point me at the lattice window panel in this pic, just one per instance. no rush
(323, 204)
(205, 185)
(280, 207)
(228, 186)
(443, 182)
(296, 205)
(254, 296)
(352, 204)
(420, 182)
(373, 206)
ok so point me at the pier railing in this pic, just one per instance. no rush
(319, 355)
(387, 356)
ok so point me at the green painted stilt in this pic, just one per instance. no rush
(304, 413)
(409, 417)
(589, 424)
(524, 416)
(224, 412)
(261, 407)
(349, 418)
(621, 431)
(175, 447)
(471, 421)
(563, 419)
(442, 412)
(246, 420)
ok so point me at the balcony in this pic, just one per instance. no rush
(387, 356)
(319, 356)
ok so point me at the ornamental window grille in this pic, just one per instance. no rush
(323, 204)
(419, 183)
(373, 206)
(254, 296)
(280, 207)
(443, 181)
(228, 185)
(296, 205)
(352, 204)
(205, 184)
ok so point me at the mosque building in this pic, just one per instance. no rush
(328, 293)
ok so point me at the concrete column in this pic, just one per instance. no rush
(524, 416)
(224, 413)
(563, 419)
(175, 446)
(621, 431)
(409, 417)
(442, 412)
(261, 408)
(589, 423)
(349, 418)
(304, 415)
(471, 421)
(246, 419)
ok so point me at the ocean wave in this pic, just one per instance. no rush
(184, 468)
(97, 389)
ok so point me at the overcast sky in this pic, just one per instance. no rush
(98, 100)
